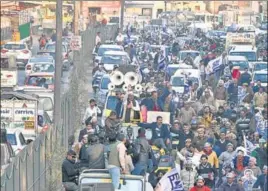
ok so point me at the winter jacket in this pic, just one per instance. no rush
(69, 171)
(226, 158)
(157, 132)
(262, 182)
(188, 178)
(234, 187)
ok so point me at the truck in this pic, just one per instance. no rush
(20, 111)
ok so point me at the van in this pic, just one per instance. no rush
(91, 180)
(250, 52)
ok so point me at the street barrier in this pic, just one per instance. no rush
(38, 166)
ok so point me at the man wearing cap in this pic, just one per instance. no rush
(262, 180)
(92, 110)
(70, 172)
(220, 94)
(200, 185)
(260, 98)
(188, 175)
(230, 185)
(226, 157)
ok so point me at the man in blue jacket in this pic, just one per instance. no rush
(160, 133)
(155, 103)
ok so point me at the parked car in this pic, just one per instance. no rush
(35, 79)
(16, 139)
(18, 49)
(7, 152)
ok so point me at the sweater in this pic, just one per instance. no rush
(213, 159)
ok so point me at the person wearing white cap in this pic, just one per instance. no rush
(230, 185)
(220, 94)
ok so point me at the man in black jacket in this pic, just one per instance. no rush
(70, 172)
(143, 149)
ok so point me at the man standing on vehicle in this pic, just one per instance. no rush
(117, 158)
(70, 172)
(143, 149)
(160, 133)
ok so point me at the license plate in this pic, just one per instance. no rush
(175, 142)
(29, 125)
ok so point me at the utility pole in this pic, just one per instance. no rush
(75, 17)
(122, 11)
(165, 5)
(58, 65)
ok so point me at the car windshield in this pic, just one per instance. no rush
(178, 81)
(171, 70)
(52, 48)
(43, 67)
(193, 80)
(39, 80)
(111, 103)
(14, 46)
(242, 64)
(260, 67)
(183, 55)
(264, 26)
(260, 77)
(41, 59)
(11, 138)
(116, 59)
(251, 56)
(104, 83)
(101, 50)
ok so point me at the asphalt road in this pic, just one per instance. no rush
(35, 49)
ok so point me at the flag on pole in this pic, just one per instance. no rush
(170, 182)
(215, 64)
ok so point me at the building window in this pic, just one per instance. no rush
(146, 12)
(94, 10)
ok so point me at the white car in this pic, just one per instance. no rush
(103, 48)
(19, 50)
(16, 139)
(38, 60)
(260, 76)
(112, 58)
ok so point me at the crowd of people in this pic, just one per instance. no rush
(217, 136)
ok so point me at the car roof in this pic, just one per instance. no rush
(260, 72)
(16, 43)
(243, 48)
(41, 74)
(194, 72)
(110, 46)
(190, 51)
(41, 58)
(13, 131)
(237, 58)
(119, 53)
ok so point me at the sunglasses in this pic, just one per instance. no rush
(73, 156)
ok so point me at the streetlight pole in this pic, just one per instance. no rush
(58, 64)
(122, 11)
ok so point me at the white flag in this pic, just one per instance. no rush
(171, 181)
